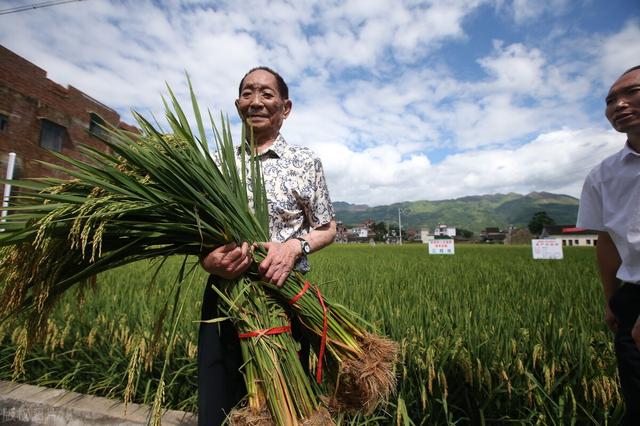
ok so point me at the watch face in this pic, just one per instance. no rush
(306, 248)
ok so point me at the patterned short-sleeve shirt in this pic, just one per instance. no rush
(297, 194)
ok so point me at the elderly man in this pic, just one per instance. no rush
(301, 222)
(610, 204)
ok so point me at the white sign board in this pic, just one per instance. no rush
(441, 247)
(547, 249)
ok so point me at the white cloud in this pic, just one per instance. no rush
(377, 175)
(621, 51)
(515, 68)
(494, 120)
(528, 11)
(557, 161)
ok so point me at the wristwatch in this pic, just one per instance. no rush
(304, 245)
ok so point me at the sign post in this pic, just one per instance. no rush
(550, 248)
(445, 246)
(7, 186)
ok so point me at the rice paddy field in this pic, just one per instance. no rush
(487, 336)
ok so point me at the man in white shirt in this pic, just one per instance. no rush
(610, 204)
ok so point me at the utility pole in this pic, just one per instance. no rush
(400, 226)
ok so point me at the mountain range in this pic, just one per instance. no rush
(474, 213)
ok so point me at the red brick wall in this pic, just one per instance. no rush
(26, 97)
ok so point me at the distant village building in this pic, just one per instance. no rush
(493, 235)
(38, 117)
(439, 232)
(444, 231)
(570, 235)
(358, 234)
(341, 233)
(425, 235)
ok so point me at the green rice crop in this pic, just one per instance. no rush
(488, 336)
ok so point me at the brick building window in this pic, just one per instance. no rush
(96, 127)
(52, 135)
(4, 122)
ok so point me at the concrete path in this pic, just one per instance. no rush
(26, 405)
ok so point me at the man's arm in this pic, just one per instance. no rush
(608, 264)
(282, 257)
(321, 236)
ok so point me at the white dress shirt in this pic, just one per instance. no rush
(610, 202)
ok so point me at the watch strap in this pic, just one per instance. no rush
(304, 246)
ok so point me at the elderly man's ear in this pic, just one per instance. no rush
(287, 107)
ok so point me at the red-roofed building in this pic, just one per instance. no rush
(38, 116)
(570, 235)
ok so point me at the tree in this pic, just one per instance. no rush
(538, 221)
(464, 232)
(380, 229)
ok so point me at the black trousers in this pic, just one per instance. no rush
(220, 382)
(625, 304)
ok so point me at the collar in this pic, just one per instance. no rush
(277, 148)
(628, 152)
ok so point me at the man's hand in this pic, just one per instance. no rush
(612, 321)
(635, 333)
(228, 262)
(608, 264)
(280, 260)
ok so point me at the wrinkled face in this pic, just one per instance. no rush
(261, 106)
(623, 103)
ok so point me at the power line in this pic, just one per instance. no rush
(35, 6)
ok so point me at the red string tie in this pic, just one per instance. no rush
(266, 332)
(301, 293)
(323, 339)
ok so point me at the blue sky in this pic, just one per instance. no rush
(402, 100)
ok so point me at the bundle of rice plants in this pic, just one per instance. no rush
(279, 391)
